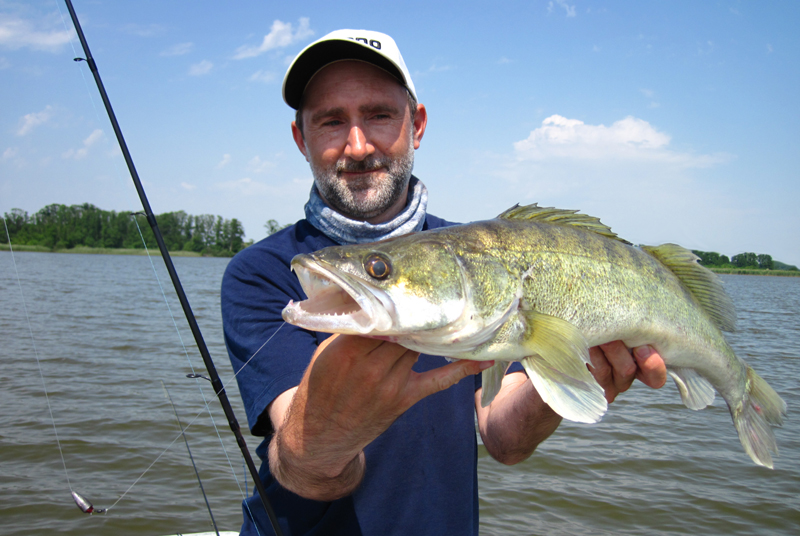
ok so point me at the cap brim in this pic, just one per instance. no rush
(321, 54)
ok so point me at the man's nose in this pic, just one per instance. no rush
(358, 147)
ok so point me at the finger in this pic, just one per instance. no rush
(439, 379)
(652, 369)
(406, 360)
(622, 364)
(601, 369)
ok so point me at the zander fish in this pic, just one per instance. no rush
(540, 286)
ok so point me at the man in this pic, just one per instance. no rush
(365, 436)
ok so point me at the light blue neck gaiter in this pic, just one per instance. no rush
(346, 231)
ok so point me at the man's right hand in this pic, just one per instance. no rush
(352, 391)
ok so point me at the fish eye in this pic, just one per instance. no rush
(378, 266)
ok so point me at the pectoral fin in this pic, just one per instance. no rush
(695, 390)
(491, 380)
(557, 368)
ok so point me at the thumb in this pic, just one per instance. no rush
(439, 379)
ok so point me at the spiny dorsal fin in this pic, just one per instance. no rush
(703, 284)
(561, 217)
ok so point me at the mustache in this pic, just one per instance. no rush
(370, 163)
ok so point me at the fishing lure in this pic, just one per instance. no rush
(86, 505)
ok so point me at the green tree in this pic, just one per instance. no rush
(61, 226)
(711, 258)
(173, 226)
(272, 226)
(745, 260)
(16, 220)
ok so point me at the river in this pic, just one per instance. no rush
(105, 342)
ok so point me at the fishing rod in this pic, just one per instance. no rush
(216, 383)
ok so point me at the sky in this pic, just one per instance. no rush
(671, 121)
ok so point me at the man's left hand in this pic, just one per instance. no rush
(615, 367)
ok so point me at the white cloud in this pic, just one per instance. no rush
(627, 139)
(256, 165)
(33, 120)
(226, 158)
(178, 50)
(262, 76)
(282, 34)
(77, 154)
(93, 137)
(187, 186)
(41, 34)
(199, 69)
(245, 186)
(439, 68)
(626, 172)
(563, 3)
(769, 48)
(10, 153)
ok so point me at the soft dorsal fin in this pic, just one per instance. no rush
(701, 282)
(560, 217)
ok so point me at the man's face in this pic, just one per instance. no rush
(359, 138)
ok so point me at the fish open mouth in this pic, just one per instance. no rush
(337, 302)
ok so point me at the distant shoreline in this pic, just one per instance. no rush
(746, 271)
(101, 251)
(121, 251)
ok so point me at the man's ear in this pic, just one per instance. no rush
(420, 122)
(299, 141)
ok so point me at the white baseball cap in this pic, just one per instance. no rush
(373, 47)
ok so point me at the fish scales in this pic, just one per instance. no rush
(612, 291)
(540, 286)
(616, 292)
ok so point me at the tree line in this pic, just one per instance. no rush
(59, 226)
(758, 261)
(63, 227)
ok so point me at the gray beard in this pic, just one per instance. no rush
(364, 198)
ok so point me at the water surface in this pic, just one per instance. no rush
(106, 340)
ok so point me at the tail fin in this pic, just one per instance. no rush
(760, 409)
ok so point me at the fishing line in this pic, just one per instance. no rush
(36, 355)
(196, 472)
(144, 243)
(163, 293)
(151, 219)
(188, 359)
(186, 352)
(189, 425)
(194, 374)
(83, 503)
(116, 168)
(89, 94)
